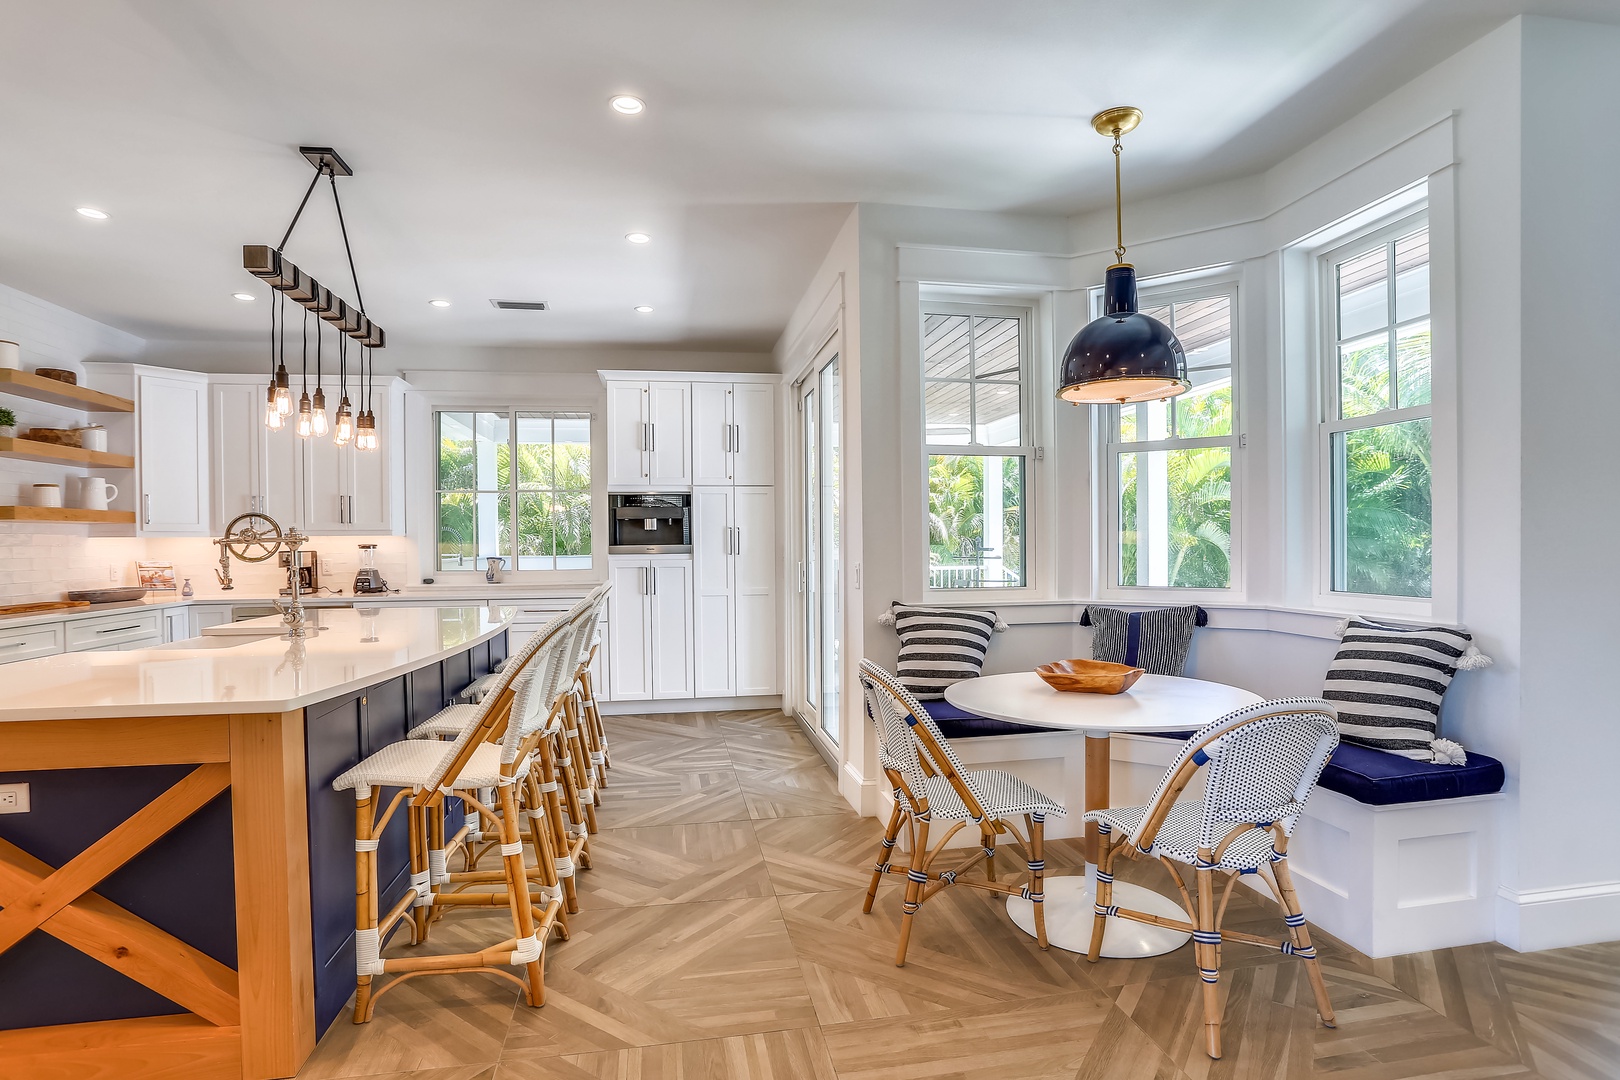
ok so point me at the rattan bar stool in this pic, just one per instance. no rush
(930, 785)
(424, 772)
(1263, 762)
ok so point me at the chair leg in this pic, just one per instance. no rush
(1295, 918)
(1108, 849)
(545, 858)
(421, 907)
(914, 888)
(365, 899)
(517, 893)
(550, 777)
(1208, 960)
(1036, 824)
(889, 834)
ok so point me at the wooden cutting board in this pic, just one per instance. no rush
(52, 605)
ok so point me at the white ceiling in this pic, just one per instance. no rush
(489, 165)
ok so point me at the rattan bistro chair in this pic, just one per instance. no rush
(424, 772)
(931, 785)
(1263, 762)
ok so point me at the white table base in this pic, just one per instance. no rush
(1069, 909)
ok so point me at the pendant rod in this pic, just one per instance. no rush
(1119, 206)
(347, 250)
(300, 212)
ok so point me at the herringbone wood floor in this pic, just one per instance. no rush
(720, 937)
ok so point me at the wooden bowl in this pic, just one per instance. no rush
(61, 375)
(1089, 676)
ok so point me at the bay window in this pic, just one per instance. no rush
(977, 445)
(1377, 413)
(1168, 464)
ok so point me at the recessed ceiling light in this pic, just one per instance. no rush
(627, 104)
(244, 296)
(92, 212)
(643, 308)
(439, 303)
(637, 237)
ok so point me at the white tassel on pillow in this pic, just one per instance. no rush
(1000, 627)
(1446, 752)
(1473, 660)
(886, 619)
(1344, 624)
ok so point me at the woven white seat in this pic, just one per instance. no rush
(1001, 795)
(447, 723)
(1262, 764)
(415, 764)
(475, 690)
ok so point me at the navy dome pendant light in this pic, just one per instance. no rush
(1123, 356)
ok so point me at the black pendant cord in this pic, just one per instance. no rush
(319, 324)
(281, 362)
(358, 298)
(305, 375)
(300, 211)
(343, 367)
(273, 340)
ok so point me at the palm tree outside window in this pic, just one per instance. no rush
(536, 516)
(1170, 462)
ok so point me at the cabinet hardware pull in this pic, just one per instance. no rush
(652, 576)
(14, 645)
(146, 509)
(118, 629)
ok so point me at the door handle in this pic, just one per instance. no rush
(146, 509)
(652, 436)
(737, 547)
(652, 576)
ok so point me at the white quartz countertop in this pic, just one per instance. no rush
(237, 673)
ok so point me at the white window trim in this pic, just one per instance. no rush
(1438, 606)
(422, 479)
(1035, 393)
(1153, 292)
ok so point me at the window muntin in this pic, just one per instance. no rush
(1171, 461)
(977, 445)
(484, 504)
(1377, 434)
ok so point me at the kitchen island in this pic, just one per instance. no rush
(178, 898)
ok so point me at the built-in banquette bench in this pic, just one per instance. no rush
(1393, 855)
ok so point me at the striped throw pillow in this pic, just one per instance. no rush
(1156, 641)
(1387, 682)
(939, 646)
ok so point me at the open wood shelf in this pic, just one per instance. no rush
(66, 513)
(37, 388)
(53, 454)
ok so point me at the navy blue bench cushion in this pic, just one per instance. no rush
(954, 723)
(1379, 778)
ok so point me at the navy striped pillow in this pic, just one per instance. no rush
(1388, 681)
(940, 646)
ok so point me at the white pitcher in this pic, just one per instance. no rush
(95, 493)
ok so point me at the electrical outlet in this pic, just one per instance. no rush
(112, 574)
(13, 798)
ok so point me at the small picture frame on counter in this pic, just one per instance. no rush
(155, 576)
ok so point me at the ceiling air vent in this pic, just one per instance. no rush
(520, 305)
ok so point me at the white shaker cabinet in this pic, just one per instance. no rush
(733, 433)
(251, 469)
(172, 459)
(649, 444)
(649, 632)
(734, 591)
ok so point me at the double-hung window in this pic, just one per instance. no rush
(515, 486)
(1169, 463)
(978, 445)
(1375, 434)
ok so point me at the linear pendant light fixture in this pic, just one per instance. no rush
(270, 265)
(1123, 356)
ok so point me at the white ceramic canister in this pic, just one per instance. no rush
(94, 438)
(10, 355)
(47, 494)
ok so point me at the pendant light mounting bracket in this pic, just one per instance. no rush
(1120, 120)
(326, 159)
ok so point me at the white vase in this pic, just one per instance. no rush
(8, 431)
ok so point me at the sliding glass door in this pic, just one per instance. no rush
(820, 595)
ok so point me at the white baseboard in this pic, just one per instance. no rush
(678, 705)
(1537, 919)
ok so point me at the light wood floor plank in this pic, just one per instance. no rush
(672, 864)
(799, 1054)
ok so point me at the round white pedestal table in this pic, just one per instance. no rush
(1155, 703)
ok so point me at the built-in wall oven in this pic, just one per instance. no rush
(647, 523)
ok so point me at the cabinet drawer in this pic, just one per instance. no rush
(29, 642)
(110, 631)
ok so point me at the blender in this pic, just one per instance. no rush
(369, 579)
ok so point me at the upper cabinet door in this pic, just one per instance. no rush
(629, 638)
(753, 418)
(173, 457)
(236, 415)
(374, 475)
(669, 415)
(711, 433)
(328, 480)
(281, 472)
(627, 435)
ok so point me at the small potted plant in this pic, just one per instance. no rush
(8, 423)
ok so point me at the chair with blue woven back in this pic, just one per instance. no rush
(931, 785)
(1262, 764)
